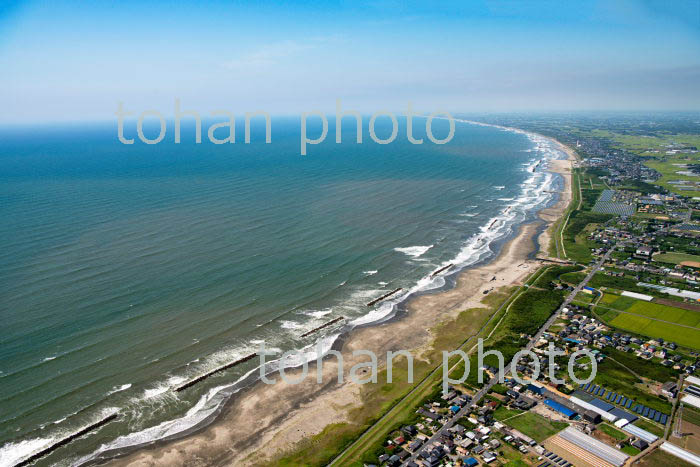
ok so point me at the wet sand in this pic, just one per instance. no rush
(264, 421)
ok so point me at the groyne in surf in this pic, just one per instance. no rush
(201, 378)
(385, 296)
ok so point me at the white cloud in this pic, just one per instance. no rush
(272, 54)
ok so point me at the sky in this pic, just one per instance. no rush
(74, 61)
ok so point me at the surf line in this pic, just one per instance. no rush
(67, 440)
(322, 326)
(442, 269)
(201, 378)
(385, 296)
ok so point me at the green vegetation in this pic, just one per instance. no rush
(676, 258)
(619, 284)
(669, 172)
(640, 323)
(655, 149)
(614, 374)
(659, 457)
(649, 426)
(583, 298)
(630, 450)
(645, 368)
(686, 337)
(612, 431)
(553, 274)
(578, 247)
(556, 248)
(536, 426)
(691, 415)
(501, 413)
(533, 308)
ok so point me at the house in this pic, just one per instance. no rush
(669, 389)
(643, 252)
(488, 457)
(415, 445)
(426, 413)
(640, 444)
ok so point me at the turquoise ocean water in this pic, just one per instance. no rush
(127, 270)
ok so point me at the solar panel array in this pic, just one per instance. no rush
(552, 460)
(606, 205)
(644, 411)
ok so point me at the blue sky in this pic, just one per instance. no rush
(66, 61)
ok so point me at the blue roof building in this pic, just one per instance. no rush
(567, 412)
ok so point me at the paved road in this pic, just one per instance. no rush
(531, 343)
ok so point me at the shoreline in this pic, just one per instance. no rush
(263, 422)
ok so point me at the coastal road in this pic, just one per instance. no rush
(531, 343)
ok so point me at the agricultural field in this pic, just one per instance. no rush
(583, 298)
(659, 457)
(652, 319)
(612, 431)
(536, 426)
(668, 165)
(678, 258)
(669, 168)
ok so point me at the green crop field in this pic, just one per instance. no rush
(639, 322)
(676, 258)
(535, 426)
(686, 337)
(612, 431)
(669, 172)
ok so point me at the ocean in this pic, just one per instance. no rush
(129, 270)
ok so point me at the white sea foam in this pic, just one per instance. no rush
(414, 251)
(291, 325)
(208, 403)
(121, 388)
(13, 453)
(319, 313)
(48, 359)
(371, 273)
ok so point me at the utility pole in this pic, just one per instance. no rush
(678, 429)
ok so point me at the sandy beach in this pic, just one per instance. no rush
(265, 421)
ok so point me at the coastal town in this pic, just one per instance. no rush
(621, 281)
